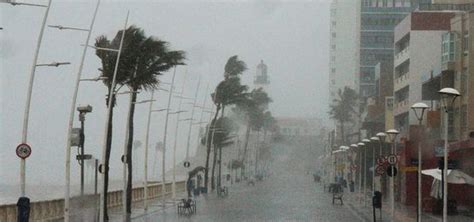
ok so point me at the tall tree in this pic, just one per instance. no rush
(143, 60)
(229, 91)
(342, 109)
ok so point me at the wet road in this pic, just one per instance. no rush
(292, 197)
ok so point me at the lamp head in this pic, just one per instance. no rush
(381, 136)
(361, 144)
(448, 95)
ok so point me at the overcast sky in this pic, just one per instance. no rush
(292, 38)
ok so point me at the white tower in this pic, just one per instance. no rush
(261, 78)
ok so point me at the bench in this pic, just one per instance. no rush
(187, 206)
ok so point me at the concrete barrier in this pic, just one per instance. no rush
(53, 209)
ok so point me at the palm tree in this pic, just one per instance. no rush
(229, 91)
(143, 60)
(254, 108)
(342, 109)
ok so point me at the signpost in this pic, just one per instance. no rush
(23, 150)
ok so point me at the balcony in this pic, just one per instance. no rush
(401, 56)
(401, 82)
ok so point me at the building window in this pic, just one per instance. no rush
(333, 35)
(333, 47)
(334, 23)
(465, 44)
(448, 47)
(333, 70)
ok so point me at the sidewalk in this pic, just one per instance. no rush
(403, 213)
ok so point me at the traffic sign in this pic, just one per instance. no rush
(380, 170)
(392, 171)
(187, 164)
(381, 160)
(392, 159)
(23, 150)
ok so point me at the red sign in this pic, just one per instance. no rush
(23, 150)
(381, 160)
(380, 170)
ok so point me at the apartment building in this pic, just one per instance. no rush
(417, 52)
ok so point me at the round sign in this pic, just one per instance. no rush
(187, 164)
(392, 159)
(380, 170)
(23, 150)
(381, 160)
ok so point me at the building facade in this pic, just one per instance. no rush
(417, 55)
(344, 46)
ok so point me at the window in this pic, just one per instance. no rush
(448, 47)
(333, 35)
(333, 47)
(333, 70)
(465, 44)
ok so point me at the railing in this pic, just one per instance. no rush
(53, 209)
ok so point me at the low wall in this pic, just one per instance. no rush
(53, 209)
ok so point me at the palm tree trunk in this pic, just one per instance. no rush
(208, 151)
(343, 137)
(107, 154)
(246, 144)
(214, 160)
(129, 152)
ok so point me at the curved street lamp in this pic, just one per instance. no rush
(419, 109)
(448, 96)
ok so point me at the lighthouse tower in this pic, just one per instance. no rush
(261, 77)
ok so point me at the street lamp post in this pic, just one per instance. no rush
(71, 115)
(448, 96)
(24, 138)
(392, 133)
(366, 142)
(191, 122)
(419, 109)
(381, 136)
(163, 166)
(360, 145)
(83, 110)
(374, 139)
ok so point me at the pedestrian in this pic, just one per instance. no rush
(189, 186)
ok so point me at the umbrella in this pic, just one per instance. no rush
(454, 176)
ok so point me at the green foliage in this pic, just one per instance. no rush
(142, 60)
(343, 106)
(234, 67)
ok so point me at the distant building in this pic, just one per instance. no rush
(344, 46)
(299, 127)
(261, 79)
(378, 19)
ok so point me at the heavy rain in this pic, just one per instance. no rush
(236, 110)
